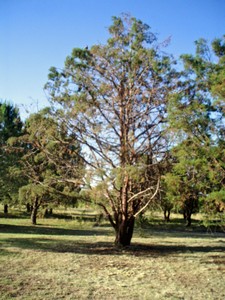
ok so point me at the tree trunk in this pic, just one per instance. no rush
(45, 213)
(167, 215)
(188, 219)
(28, 207)
(5, 208)
(34, 211)
(124, 232)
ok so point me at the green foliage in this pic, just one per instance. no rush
(114, 98)
(10, 122)
(10, 126)
(50, 161)
(196, 116)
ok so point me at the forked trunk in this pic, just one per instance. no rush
(167, 215)
(124, 232)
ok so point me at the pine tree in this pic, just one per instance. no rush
(113, 98)
(10, 125)
(197, 118)
(50, 161)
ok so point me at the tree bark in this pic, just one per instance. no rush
(167, 215)
(34, 211)
(5, 208)
(188, 219)
(124, 232)
(28, 207)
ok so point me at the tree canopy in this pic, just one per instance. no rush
(197, 118)
(114, 98)
(50, 161)
(10, 126)
(125, 128)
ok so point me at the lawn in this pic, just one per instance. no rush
(68, 259)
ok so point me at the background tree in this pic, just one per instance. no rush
(197, 116)
(113, 99)
(10, 125)
(50, 161)
(166, 203)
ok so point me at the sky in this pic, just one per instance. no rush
(38, 34)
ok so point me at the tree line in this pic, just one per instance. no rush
(125, 129)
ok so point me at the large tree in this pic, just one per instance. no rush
(113, 98)
(10, 125)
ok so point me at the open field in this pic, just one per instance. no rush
(68, 259)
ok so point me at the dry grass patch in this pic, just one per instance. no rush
(65, 262)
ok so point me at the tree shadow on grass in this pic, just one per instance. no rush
(42, 230)
(105, 248)
(51, 241)
(185, 233)
(105, 230)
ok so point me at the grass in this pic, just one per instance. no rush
(70, 259)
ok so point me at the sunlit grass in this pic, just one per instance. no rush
(68, 259)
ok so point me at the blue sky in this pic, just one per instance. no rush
(38, 34)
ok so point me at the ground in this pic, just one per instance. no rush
(67, 259)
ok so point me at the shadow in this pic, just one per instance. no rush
(185, 233)
(106, 248)
(177, 225)
(67, 216)
(217, 259)
(106, 230)
(17, 215)
(74, 216)
(4, 252)
(37, 229)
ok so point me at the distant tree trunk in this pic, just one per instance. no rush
(6, 208)
(141, 219)
(34, 216)
(167, 215)
(46, 213)
(124, 232)
(34, 211)
(190, 207)
(28, 207)
(187, 213)
(188, 219)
